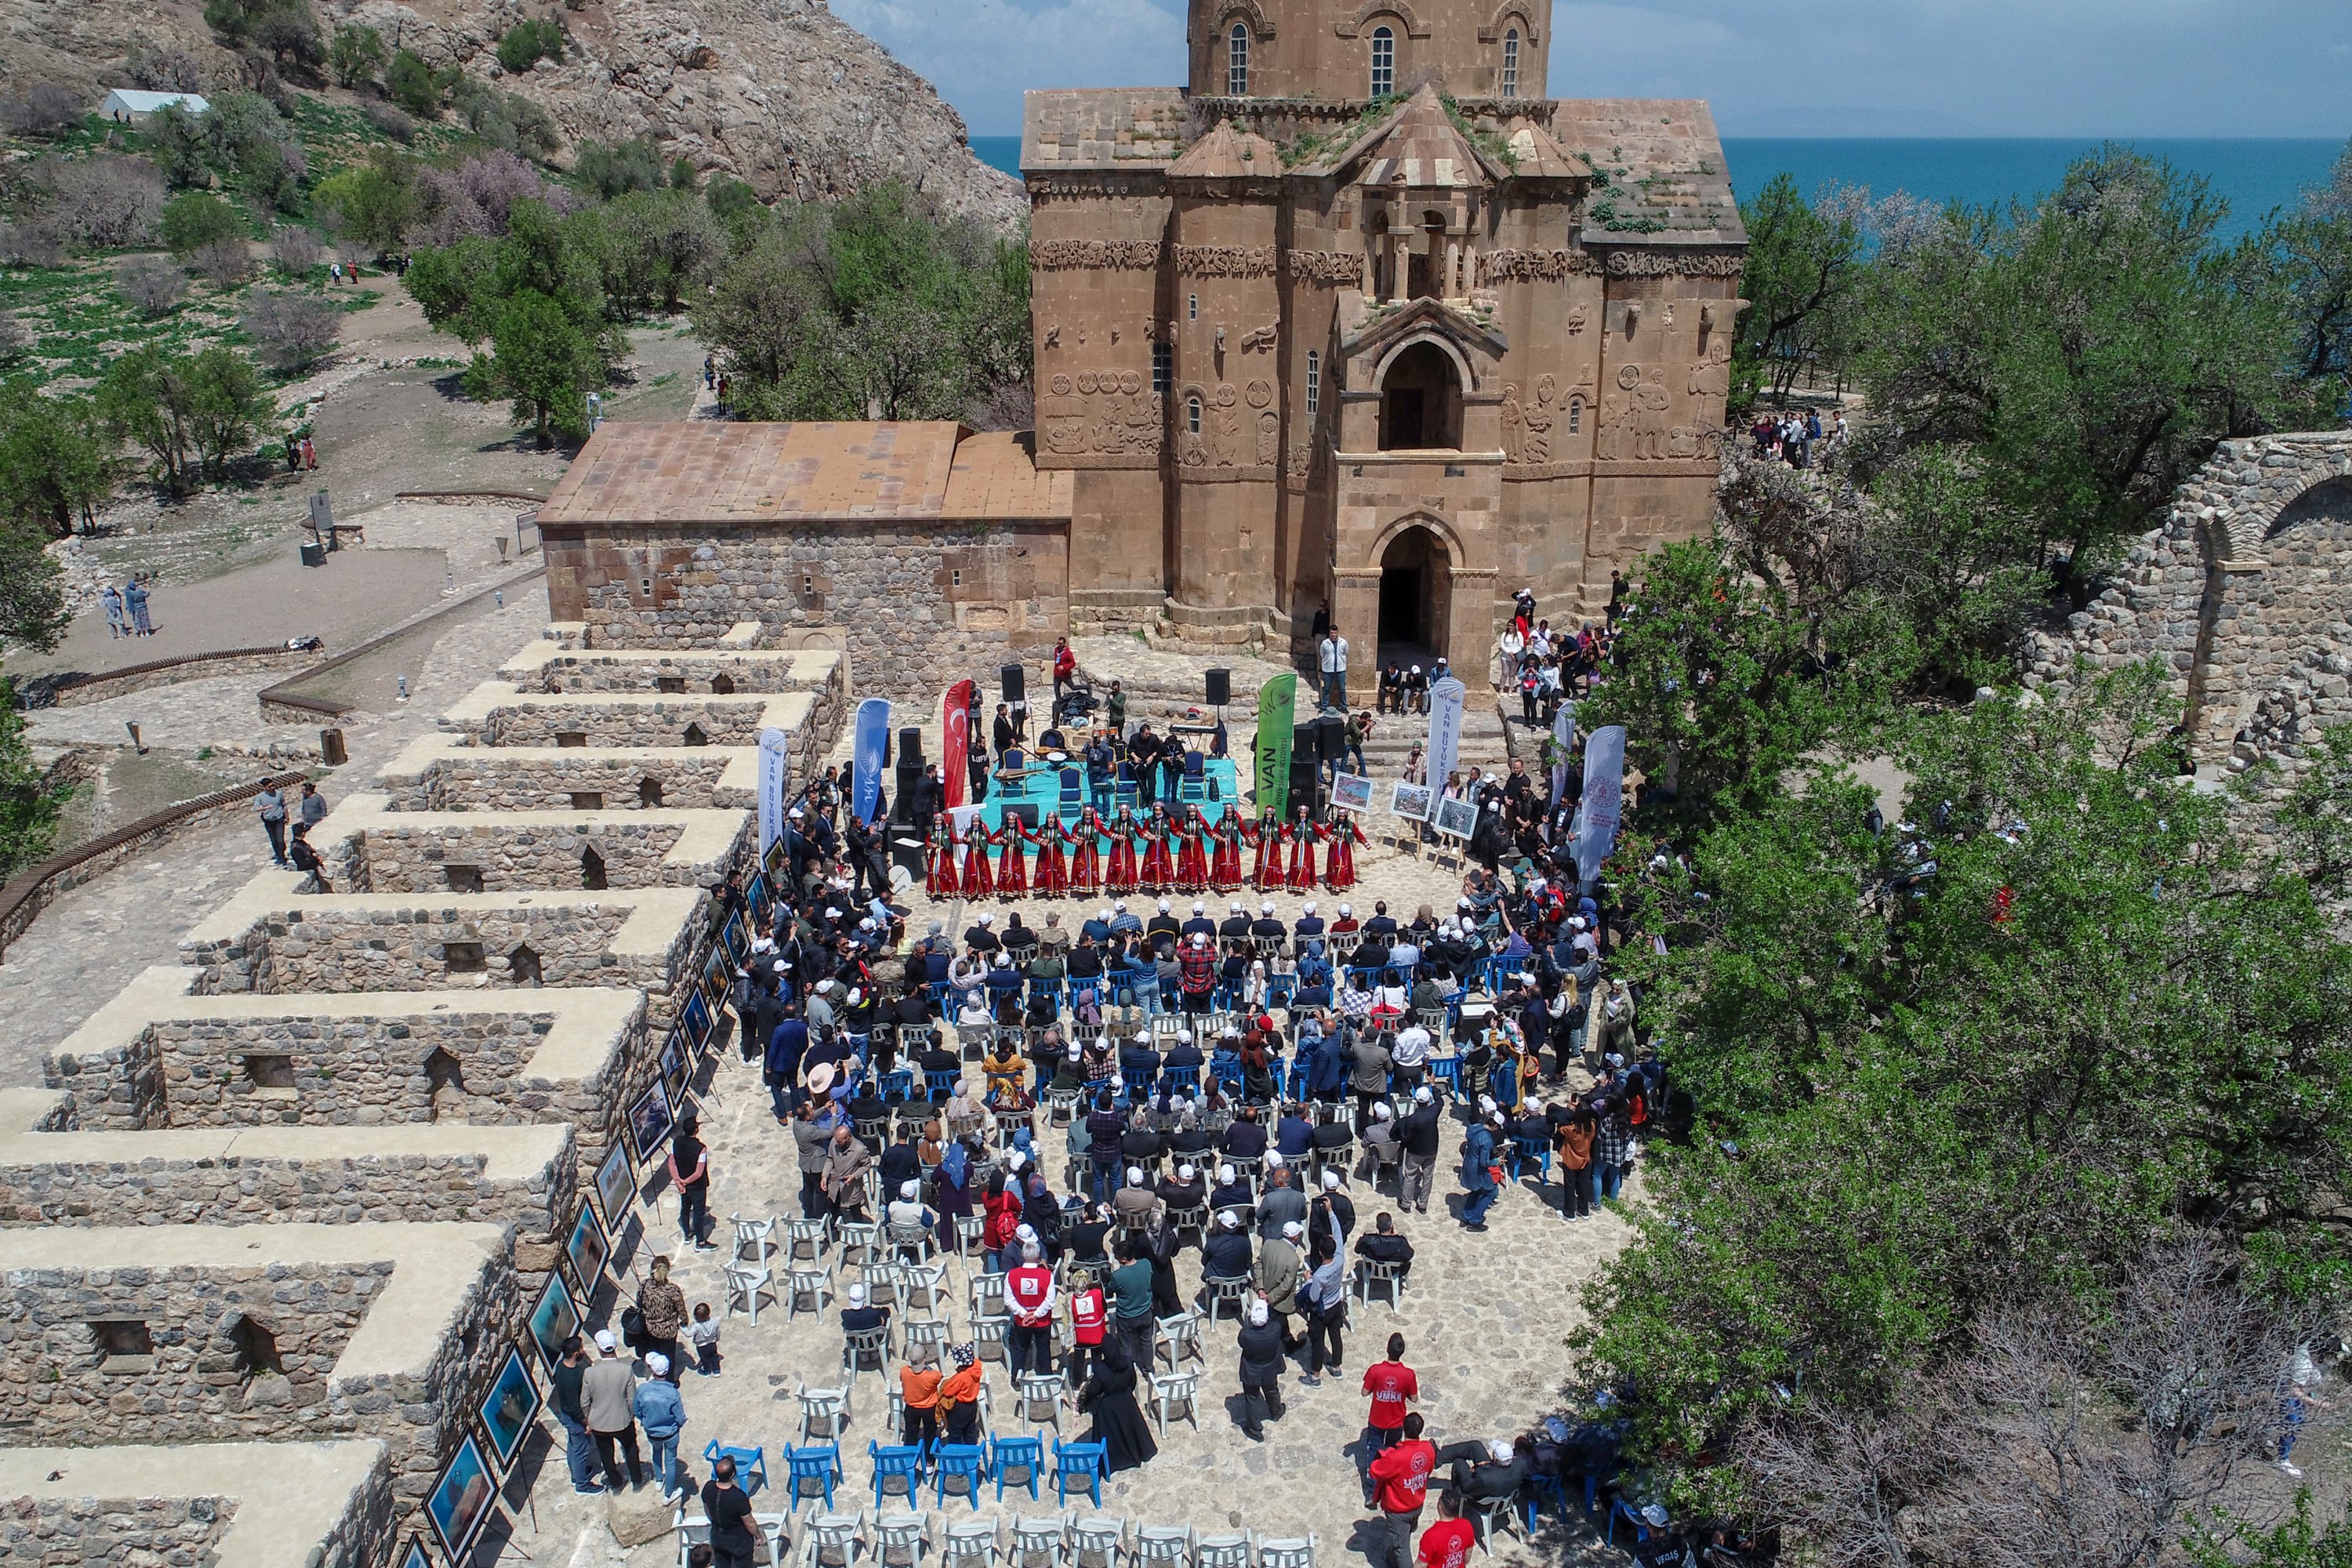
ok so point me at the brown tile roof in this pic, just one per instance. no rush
(1101, 128)
(1225, 153)
(996, 477)
(1663, 162)
(702, 471)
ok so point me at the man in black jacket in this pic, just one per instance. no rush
(1226, 1253)
(1417, 1132)
(1385, 1246)
(1261, 1371)
(1245, 1138)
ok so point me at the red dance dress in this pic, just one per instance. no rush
(1053, 876)
(1226, 865)
(1120, 881)
(1012, 870)
(1268, 837)
(1158, 866)
(1192, 859)
(1086, 857)
(941, 880)
(1302, 855)
(1339, 865)
(978, 884)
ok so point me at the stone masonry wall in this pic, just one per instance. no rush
(722, 721)
(916, 598)
(369, 1189)
(397, 859)
(112, 1532)
(489, 779)
(323, 948)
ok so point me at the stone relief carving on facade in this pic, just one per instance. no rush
(1342, 268)
(1552, 266)
(1261, 394)
(1269, 437)
(1576, 319)
(1261, 340)
(1115, 255)
(1225, 260)
(1107, 412)
(1529, 421)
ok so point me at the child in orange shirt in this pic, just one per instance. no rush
(958, 1402)
(918, 1382)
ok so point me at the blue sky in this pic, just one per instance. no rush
(2029, 68)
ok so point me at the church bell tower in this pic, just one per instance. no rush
(1335, 51)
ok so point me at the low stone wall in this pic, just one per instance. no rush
(258, 1333)
(72, 691)
(548, 666)
(111, 1532)
(439, 773)
(628, 718)
(250, 1505)
(380, 851)
(158, 1057)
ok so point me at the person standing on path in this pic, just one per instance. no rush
(571, 1415)
(689, 1173)
(661, 1411)
(1325, 1297)
(1418, 1134)
(313, 806)
(271, 805)
(1478, 1181)
(1400, 1477)
(1331, 661)
(134, 600)
(727, 1507)
(608, 1395)
(1261, 1371)
(117, 624)
(1394, 1387)
(663, 1306)
(1448, 1543)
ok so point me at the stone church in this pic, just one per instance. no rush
(1361, 320)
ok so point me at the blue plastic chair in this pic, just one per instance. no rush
(966, 1464)
(1027, 1454)
(1447, 1070)
(818, 1463)
(1123, 790)
(940, 1085)
(1523, 1149)
(1620, 1509)
(1226, 1067)
(904, 1461)
(750, 1464)
(1194, 784)
(897, 1084)
(1184, 1081)
(1070, 781)
(1082, 1462)
(1279, 989)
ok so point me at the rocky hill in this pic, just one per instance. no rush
(778, 93)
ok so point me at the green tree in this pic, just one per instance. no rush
(2315, 264)
(357, 55)
(198, 218)
(1802, 266)
(542, 360)
(225, 407)
(527, 43)
(375, 203)
(144, 399)
(609, 171)
(29, 810)
(411, 85)
(286, 30)
(57, 461)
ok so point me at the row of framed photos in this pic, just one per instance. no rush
(1412, 802)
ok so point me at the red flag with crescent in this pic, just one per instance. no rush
(955, 722)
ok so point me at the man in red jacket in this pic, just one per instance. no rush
(1029, 1296)
(1448, 1543)
(1401, 1481)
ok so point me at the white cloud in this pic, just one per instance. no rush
(983, 54)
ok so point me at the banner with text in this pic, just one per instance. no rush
(1276, 702)
(1563, 734)
(867, 753)
(1604, 799)
(955, 721)
(775, 768)
(1445, 729)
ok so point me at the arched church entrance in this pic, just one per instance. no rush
(1416, 598)
(1421, 401)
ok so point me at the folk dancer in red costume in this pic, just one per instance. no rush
(1159, 868)
(1339, 865)
(1303, 834)
(979, 886)
(1053, 875)
(1268, 835)
(1012, 868)
(1086, 855)
(1193, 853)
(1226, 865)
(1120, 881)
(942, 880)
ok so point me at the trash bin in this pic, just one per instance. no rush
(331, 750)
(314, 555)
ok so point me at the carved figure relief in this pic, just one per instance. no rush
(1538, 437)
(1225, 260)
(1054, 336)
(1259, 339)
(1114, 255)
(1261, 394)
(1650, 418)
(1105, 411)
(1060, 383)
(1270, 439)
(1547, 388)
(1226, 394)
(1616, 416)
(1576, 318)
(1514, 421)
(1344, 269)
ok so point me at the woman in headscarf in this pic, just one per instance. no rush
(1042, 1213)
(1086, 855)
(951, 1191)
(1226, 865)
(1003, 1212)
(958, 1403)
(1109, 1397)
(1053, 874)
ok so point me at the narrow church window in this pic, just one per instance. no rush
(1192, 307)
(1237, 62)
(1314, 384)
(1383, 62)
(1163, 368)
(1575, 414)
(1511, 63)
(1193, 415)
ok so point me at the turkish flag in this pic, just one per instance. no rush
(955, 722)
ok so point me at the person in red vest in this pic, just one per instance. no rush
(1089, 1319)
(1029, 1296)
(1400, 1477)
(1065, 670)
(1448, 1543)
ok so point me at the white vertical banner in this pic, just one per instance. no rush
(1563, 734)
(1444, 728)
(775, 768)
(1604, 799)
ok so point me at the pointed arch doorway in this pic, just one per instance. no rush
(1416, 598)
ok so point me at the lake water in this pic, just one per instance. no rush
(2254, 176)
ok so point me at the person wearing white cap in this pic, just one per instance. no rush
(661, 1411)
(1225, 1250)
(1417, 1131)
(1279, 1273)
(1479, 1157)
(608, 1395)
(1135, 1203)
(1332, 1219)
(1282, 1202)
(1261, 1349)
(1378, 1141)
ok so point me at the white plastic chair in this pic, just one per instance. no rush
(969, 1543)
(932, 1331)
(899, 1537)
(758, 1233)
(745, 1282)
(816, 1234)
(1179, 1336)
(1222, 1551)
(862, 1235)
(826, 1407)
(811, 1282)
(1035, 1537)
(928, 1280)
(1173, 1393)
(986, 1294)
(1371, 1275)
(836, 1533)
(1097, 1535)
(1159, 1546)
(1042, 1389)
(1290, 1551)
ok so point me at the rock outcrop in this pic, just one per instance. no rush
(780, 93)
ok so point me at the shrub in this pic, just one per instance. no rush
(13, 337)
(107, 203)
(410, 83)
(165, 67)
(610, 172)
(392, 122)
(35, 243)
(226, 263)
(43, 108)
(198, 218)
(292, 330)
(728, 197)
(527, 43)
(357, 53)
(295, 250)
(376, 203)
(149, 284)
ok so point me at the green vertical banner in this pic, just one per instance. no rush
(1278, 700)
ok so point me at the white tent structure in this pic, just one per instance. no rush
(134, 103)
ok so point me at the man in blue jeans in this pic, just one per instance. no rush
(579, 1450)
(662, 1413)
(1478, 1168)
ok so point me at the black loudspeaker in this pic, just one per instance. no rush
(1011, 683)
(907, 854)
(1306, 743)
(1221, 687)
(910, 748)
(910, 779)
(1028, 811)
(1306, 783)
(1332, 735)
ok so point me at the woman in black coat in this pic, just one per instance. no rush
(1119, 1426)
